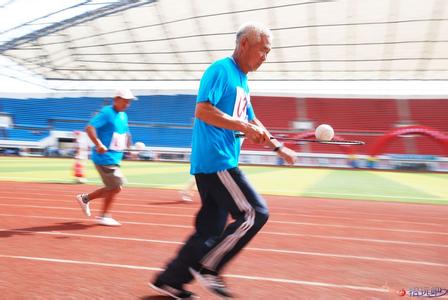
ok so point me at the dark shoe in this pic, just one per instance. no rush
(174, 292)
(212, 282)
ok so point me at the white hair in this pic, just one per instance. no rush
(254, 31)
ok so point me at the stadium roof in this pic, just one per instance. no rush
(166, 41)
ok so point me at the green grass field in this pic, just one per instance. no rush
(324, 183)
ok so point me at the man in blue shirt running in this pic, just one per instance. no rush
(223, 108)
(109, 131)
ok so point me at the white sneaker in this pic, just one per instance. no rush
(81, 180)
(186, 196)
(84, 206)
(107, 221)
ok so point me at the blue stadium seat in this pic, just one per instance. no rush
(158, 121)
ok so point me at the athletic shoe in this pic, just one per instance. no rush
(107, 221)
(81, 180)
(212, 282)
(186, 196)
(84, 205)
(173, 292)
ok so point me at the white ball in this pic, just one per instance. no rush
(139, 145)
(324, 132)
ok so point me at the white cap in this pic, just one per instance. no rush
(125, 94)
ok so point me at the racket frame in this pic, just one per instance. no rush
(300, 140)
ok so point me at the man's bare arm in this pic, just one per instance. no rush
(91, 132)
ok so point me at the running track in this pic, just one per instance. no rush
(310, 248)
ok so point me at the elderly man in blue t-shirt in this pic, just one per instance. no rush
(109, 131)
(223, 108)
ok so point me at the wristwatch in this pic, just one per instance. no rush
(278, 147)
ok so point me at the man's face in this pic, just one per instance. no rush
(121, 104)
(256, 52)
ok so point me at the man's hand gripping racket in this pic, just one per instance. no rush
(259, 135)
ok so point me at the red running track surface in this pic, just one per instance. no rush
(309, 249)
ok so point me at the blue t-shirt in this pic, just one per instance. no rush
(112, 129)
(215, 149)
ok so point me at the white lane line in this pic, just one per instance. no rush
(93, 221)
(330, 237)
(270, 221)
(257, 278)
(45, 180)
(387, 207)
(116, 211)
(391, 260)
(357, 218)
(335, 237)
(278, 191)
(95, 181)
(283, 251)
(370, 196)
(81, 262)
(311, 283)
(131, 195)
(331, 211)
(194, 209)
(359, 227)
(69, 199)
(93, 236)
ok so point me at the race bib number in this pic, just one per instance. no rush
(241, 102)
(118, 142)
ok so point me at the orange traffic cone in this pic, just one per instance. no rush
(78, 170)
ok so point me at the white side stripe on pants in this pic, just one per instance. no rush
(212, 259)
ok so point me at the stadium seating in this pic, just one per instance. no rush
(356, 119)
(353, 114)
(176, 109)
(162, 121)
(430, 112)
(167, 120)
(275, 112)
(26, 134)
